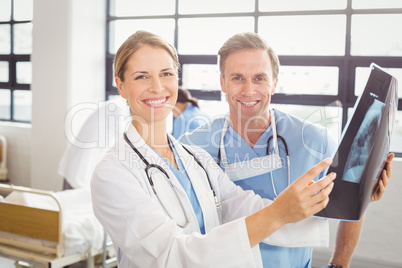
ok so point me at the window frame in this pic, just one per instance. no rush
(347, 63)
(12, 60)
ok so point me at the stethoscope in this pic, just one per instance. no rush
(287, 160)
(275, 136)
(149, 166)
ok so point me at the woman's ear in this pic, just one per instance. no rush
(119, 85)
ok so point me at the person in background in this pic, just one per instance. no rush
(187, 114)
(168, 205)
(255, 144)
(96, 136)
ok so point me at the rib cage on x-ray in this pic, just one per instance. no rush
(363, 143)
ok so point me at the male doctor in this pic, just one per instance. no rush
(255, 144)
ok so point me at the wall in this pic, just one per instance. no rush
(68, 68)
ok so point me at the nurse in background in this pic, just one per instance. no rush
(187, 114)
(169, 205)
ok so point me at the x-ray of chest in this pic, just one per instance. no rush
(363, 148)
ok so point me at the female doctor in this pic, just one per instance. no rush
(165, 204)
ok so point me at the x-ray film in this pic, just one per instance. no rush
(363, 148)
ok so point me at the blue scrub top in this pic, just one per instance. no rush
(185, 182)
(191, 118)
(307, 144)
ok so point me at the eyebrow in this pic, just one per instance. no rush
(235, 74)
(167, 69)
(145, 72)
(257, 74)
(139, 72)
(261, 74)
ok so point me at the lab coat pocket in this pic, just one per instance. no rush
(207, 203)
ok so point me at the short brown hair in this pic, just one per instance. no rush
(245, 41)
(133, 43)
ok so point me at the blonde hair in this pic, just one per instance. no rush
(245, 41)
(135, 42)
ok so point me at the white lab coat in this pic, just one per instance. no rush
(145, 236)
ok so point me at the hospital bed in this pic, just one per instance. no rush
(51, 229)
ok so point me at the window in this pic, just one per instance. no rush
(325, 47)
(15, 65)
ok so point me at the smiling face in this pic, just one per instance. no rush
(248, 82)
(150, 83)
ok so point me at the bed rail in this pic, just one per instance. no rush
(32, 222)
(42, 225)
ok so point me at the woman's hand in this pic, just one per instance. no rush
(300, 200)
(305, 197)
(382, 182)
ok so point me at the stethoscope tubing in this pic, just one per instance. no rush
(218, 161)
(148, 166)
(287, 160)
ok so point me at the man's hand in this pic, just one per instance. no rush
(382, 182)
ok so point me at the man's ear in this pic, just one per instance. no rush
(119, 85)
(274, 86)
(222, 80)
